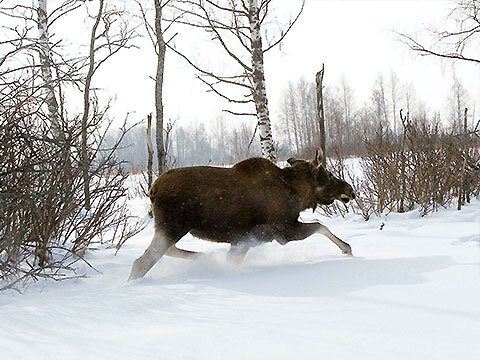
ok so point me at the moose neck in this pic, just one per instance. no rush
(303, 184)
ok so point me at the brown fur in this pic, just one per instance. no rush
(253, 202)
(222, 204)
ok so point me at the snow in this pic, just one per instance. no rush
(411, 291)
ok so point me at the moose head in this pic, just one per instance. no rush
(328, 188)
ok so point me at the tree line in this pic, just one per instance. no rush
(349, 124)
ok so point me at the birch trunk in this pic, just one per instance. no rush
(320, 113)
(258, 77)
(159, 87)
(46, 70)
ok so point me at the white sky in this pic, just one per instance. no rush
(353, 39)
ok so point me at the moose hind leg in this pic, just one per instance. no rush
(301, 231)
(161, 242)
(175, 252)
(154, 252)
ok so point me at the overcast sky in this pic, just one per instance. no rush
(353, 38)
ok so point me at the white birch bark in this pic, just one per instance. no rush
(258, 77)
(46, 70)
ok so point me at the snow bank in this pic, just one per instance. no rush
(411, 291)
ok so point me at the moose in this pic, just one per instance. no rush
(251, 203)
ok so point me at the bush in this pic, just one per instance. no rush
(44, 228)
(427, 168)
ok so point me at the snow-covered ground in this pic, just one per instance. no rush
(412, 291)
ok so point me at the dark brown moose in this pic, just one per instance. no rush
(253, 202)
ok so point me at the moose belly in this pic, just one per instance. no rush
(217, 235)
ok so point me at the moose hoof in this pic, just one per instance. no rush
(347, 251)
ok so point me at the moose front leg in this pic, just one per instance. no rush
(237, 253)
(259, 234)
(301, 231)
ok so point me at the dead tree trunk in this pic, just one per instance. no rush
(150, 151)
(46, 71)
(463, 191)
(320, 112)
(161, 48)
(259, 90)
(403, 181)
(86, 108)
(467, 145)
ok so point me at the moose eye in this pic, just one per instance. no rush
(330, 176)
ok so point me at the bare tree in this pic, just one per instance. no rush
(458, 102)
(380, 103)
(219, 132)
(236, 26)
(348, 109)
(320, 112)
(294, 116)
(43, 230)
(459, 39)
(284, 125)
(160, 50)
(394, 87)
(156, 34)
(86, 105)
(106, 40)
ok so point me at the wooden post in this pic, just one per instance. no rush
(320, 113)
(466, 189)
(462, 189)
(150, 151)
(405, 121)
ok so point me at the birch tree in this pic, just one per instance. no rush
(237, 27)
(46, 70)
(259, 88)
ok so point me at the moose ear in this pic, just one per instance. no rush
(292, 161)
(318, 158)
